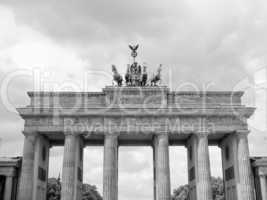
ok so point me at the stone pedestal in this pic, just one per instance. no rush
(199, 177)
(26, 180)
(110, 172)
(162, 168)
(72, 171)
(8, 188)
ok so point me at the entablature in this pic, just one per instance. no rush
(136, 112)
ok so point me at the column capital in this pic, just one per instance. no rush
(263, 175)
(31, 136)
(203, 134)
(30, 133)
(200, 134)
(261, 172)
(242, 133)
(161, 135)
(113, 135)
(160, 138)
(67, 133)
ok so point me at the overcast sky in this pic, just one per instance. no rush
(214, 44)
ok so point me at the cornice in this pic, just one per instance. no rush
(194, 112)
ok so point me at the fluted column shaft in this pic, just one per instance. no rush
(246, 191)
(263, 186)
(110, 173)
(26, 180)
(162, 168)
(8, 188)
(41, 165)
(203, 166)
(154, 174)
(68, 172)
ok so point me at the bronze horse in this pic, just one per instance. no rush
(144, 77)
(157, 78)
(128, 76)
(116, 76)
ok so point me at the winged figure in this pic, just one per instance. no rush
(134, 50)
(134, 47)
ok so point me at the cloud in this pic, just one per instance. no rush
(213, 36)
(219, 44)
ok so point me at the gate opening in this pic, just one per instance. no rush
(178, 167)
(135, 173)
(93, 167)
(55, 162)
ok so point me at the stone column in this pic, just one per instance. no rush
(68, 172)
(8, 188)
(229, 167)
(79, 169)
(162, 168)
(110, 173)
(263, 187)
(238, 178)
(204, 177)
(199, 167)
(154, 173)
(41, 165)
(246, 191)
(26, 180)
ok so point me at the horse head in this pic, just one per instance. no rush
(114, 69)
(160, 69)
(128, 69)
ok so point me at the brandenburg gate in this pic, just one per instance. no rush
(137, 114)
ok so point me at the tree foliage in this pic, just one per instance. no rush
(89, 192)
(53, 189)
(182, 192)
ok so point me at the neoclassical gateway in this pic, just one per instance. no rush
(137, 114)
(151, 116)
